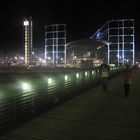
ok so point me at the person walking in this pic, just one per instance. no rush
(104, 70)
(127, 80)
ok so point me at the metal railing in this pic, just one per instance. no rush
(21, 99)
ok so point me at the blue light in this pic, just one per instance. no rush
(98, 35)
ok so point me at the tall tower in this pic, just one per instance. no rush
(28, 39)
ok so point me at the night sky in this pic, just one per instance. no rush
(82, 18)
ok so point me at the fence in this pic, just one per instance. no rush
(23, 98)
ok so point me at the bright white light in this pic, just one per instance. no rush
(25, 86)
(66, 77)
(49, 81)
(98, 47)
(26, 23)
(112, 65)
(97, 61)
(86, 73)
(92, 72)
(77, 75)
(49, 58)
(22, 58)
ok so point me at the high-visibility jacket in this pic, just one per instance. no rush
(105, 72)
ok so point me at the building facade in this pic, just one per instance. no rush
(55, 44)
(121, 37)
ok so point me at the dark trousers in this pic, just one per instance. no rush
(104, 84)
(126, 89)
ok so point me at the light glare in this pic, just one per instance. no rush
(26, 23)
(77, 75)
(25, 86)
(66, 77)
(86, 73)
(49, 81)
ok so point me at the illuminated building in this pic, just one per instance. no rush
(28, 39)
(121, 37)
(86, 53)
(55, 44)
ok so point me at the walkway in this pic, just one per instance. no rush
(91, 116)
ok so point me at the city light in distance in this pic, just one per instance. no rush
(26, 23)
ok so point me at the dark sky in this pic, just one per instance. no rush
(82, 18)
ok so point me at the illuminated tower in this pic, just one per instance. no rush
(28, 39)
